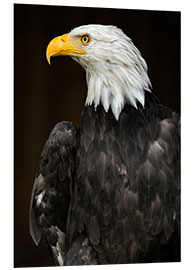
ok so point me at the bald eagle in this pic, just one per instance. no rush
(109, 191)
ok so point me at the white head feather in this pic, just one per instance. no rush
(116, 73)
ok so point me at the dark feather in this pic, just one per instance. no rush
(110, 193)
(52, 188)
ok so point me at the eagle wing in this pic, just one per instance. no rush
(157, 219)
(151, 191)
(51, 194)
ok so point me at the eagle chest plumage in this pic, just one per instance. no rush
(119, 191)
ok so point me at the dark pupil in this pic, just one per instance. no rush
(85, 39)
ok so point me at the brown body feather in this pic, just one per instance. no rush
(112, 189)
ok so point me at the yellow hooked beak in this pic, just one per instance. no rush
(63, 45)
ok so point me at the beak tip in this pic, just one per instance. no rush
(48, 57)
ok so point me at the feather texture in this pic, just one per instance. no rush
(113, 64)
(131, 181)
(109, 193)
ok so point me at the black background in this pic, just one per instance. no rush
(45, 95)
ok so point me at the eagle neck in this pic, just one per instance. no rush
(116, 86)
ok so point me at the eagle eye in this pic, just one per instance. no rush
(85, 39)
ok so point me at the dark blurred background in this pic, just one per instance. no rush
(45, 95)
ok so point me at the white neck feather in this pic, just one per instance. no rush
(116, 73)
(114, 87)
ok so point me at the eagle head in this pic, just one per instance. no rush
(116, 73)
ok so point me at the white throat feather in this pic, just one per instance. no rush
(116, 73)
